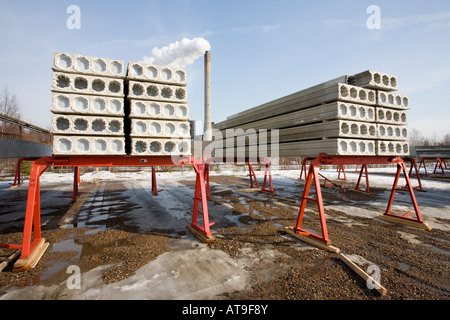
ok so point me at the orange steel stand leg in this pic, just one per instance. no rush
(402, 167)
(252, 176)
(438, 163)
(200, 197)
(341, 168)
(267, 172)
(32, 223)
(155, 190)
(422, 161)
(207, 168)
(313, 175)
(363, 168)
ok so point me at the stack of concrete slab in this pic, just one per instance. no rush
(159, 112)
(355, 115)
(87, 105)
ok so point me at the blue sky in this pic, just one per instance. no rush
(261, 50)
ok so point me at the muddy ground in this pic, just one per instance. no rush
(413, 263)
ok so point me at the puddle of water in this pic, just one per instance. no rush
(401, 265)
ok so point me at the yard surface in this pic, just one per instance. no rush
(130, 244)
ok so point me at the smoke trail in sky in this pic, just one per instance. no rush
(179, 54)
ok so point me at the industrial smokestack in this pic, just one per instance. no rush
(207, 135)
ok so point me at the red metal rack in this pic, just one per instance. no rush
(32, 241)
(313, 174)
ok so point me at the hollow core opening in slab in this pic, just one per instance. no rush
(389, 115)
(117, 145)
(353, 111)
(81, 104)
(390, 131)
(345, 129)
(169, 110)
(183, 147)
(344, 91)
(182, 111)
(362, 112)
(99, 66)
(80, 83)
(405, 148)
(362, 95)
(139, 108)
(100, 145)
(82, 64)
(62, 102)
(116, 68)
(169, 146)
(155, 146)
(180, 76)
(98, 85)
(362, 147)
(80, 124)
(403, 117)
(393, 81)
(152, 72)
(353, 93)
(370, 114)
(64, 61)
(62, 81)
(405, 133)
(136, 70)
(354, 128)
(398, 101)
(137, 89)
(183, 130)
(343, 110)
(115, 106)
(398, 148)
(166, 74)
(405, 102)
(154, 109)
(167, 93)
(386, 81)
(391, 147)
(397, 132)
(64, 145)
(140, 127)
(396, 116)
(372, 130)
(363, 130)
(83, 145)
(155, 128)
(382, 97)
(370, 147)
(169, 129)
(180, 94)
(140, 146)
(99, 105)
(152, 91)
(372, 97)
(377, 78)
(115, 126)
(114, 86)
(343, 146)
(381, 131)
(391, 98)
(380, 115)
(98, 125)
(62, 124)
(353, 148)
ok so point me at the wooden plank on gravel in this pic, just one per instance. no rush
(311, 241)
(381, 290)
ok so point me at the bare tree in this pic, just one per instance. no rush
(9, 105)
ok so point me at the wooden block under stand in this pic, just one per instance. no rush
(311, 241)
(201, 236)
(33, 259)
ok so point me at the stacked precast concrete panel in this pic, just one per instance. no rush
(87, 105)
(338, 117)
(159, 113)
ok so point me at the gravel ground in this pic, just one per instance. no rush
(413, 263)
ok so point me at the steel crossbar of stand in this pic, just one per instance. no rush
(33, 244)
(313, 178)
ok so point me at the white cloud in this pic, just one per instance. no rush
(180, 53)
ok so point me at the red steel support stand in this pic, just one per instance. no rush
(363, 168)
(414, 166)
(202, 231)
(438, 163)
(313, 175)
(33, 244)
(341, 168)
(252, 175)
(155, 190)
(267, 172)
(17, 173)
